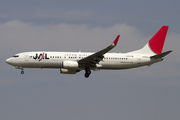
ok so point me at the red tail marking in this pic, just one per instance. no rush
(116, 40)
(157, 41)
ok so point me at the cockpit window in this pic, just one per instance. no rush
(16, 56)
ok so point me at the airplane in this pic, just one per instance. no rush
(73, 62)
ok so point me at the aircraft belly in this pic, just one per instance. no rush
(117, 65)
(45, 64)
(123, 64)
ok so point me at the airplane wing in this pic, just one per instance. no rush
(95, 58)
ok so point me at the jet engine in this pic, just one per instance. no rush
(68, 71)
(70, 64)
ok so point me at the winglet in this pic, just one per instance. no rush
(116, 40)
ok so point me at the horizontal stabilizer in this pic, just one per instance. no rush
(161, 55)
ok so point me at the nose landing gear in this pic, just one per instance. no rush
(22, 72)
(21, 68)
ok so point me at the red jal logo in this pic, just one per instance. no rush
(40, 56)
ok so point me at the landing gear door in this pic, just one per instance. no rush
(26, 57)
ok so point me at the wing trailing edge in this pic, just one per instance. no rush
(98, 56)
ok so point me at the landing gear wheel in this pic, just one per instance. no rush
(22, 72)
(86, 75)
(88, 72)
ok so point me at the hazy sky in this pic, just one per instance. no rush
(146, 93)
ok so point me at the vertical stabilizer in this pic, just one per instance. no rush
(155, 44)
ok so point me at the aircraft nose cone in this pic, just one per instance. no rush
(8, 61)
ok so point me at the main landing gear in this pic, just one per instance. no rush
(87, 72)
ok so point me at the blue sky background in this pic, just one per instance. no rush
(141, 93)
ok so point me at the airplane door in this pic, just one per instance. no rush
(26, 57)
(138, 59)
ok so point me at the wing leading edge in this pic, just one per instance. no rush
(95, 58)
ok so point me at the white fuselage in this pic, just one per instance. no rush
(55, 60)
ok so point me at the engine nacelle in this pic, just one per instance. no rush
(68, 71)
(70, 64)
